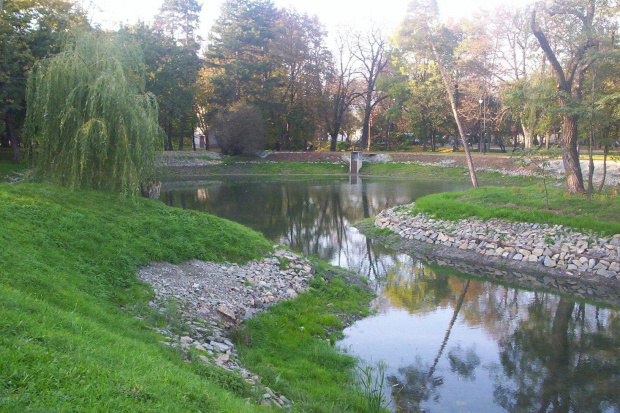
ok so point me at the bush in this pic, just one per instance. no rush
(240, 130)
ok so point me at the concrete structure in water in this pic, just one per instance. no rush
(355, 163)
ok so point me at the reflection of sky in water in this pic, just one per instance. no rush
(492, 349)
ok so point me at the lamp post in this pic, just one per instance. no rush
(480, 127)
(484, 125)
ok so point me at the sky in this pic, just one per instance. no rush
(334, 14)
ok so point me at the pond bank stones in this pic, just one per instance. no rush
(214, 297)
(551, 246)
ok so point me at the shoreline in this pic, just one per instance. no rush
(465, 247)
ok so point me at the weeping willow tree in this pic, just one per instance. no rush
(89, 119)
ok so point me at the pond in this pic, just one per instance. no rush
(446, 342)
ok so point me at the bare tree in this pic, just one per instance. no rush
(371, 52)
(340, 91)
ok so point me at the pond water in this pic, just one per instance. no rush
(447, 342)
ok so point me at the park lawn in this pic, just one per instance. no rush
(527, 204)
(75, 326)
(442, 173)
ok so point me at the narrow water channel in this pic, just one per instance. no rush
(449, 343)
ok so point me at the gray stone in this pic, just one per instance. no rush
(549, 262)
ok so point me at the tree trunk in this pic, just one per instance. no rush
(570, 156)
(182, 132)
(334, 141)
(446, 82)
(194, 140)
(605, 152)
(169, 133)
(10, 127)
(527, 136)
(365, 141)
(424, 133)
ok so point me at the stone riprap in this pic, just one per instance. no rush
(213, 297)
(543, 246)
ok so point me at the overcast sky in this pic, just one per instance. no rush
(332, 13)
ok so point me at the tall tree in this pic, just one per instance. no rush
(29, 30)
(421, 31)
(575, 27)
(340, 91)
(304, 64)
(372, 54)
(177, 24)
(241, 44)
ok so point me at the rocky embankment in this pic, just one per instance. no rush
(214, 297)
(558, 256)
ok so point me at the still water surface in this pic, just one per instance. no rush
(448, 343)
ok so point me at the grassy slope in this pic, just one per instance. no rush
(68, 265)
(67, 273)
(527, 204)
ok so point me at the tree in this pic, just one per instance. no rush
(240, 130)
(340, 92)
(176, 24)
(179, 20)
(576, 26)
(426, 108)
(421, 31)
(88, 112)
(371, 52)
(29, 30)
(304, 62)
(241, 44)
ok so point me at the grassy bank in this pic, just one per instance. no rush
(527, 204)
(423, 172)
(310, 169)
(69, 336)
(254, 168)
(282, 346)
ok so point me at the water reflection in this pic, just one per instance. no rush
(450, 343)
(313, 217)
(454, 344)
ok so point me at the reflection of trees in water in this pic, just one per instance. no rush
(561, 358)
(464, 362)
(555, 355)
(418, 387)
(311, 217)
(417, 288)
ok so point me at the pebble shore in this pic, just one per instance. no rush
(214, 297)
(554, 247)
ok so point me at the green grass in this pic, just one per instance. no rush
(291, 346)
(235, 167)
(527, 204)
(10, 170)
(423, 172)
(70, 338)
(395, 170)
(67, 269)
